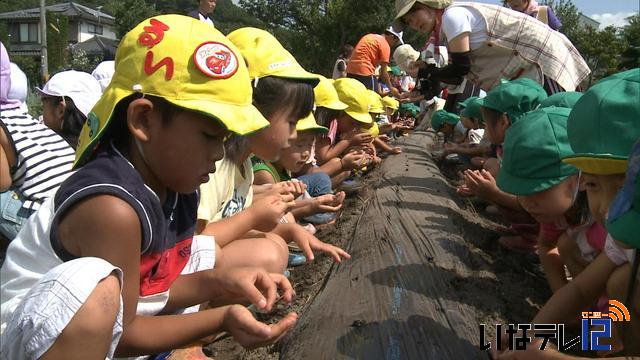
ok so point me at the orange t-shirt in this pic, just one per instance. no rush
(370, 51)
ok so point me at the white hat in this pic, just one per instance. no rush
(397, 34)
(405, 55)
(104, 72)
(19, 84)
(80, 86)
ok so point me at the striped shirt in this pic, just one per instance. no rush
(43, 158)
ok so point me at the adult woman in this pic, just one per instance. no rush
(532, 8)
(488, 43)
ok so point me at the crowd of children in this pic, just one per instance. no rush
(194, 187)
(553, 167)
(205, 163)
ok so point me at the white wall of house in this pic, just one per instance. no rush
(88, 30)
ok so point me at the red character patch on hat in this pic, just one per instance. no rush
(215, 60)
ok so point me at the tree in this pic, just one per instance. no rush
(57, 35)
(631, 33)
(314, 30)
(129, 13)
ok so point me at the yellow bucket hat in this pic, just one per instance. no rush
(354, 94)
(265, 56)
(376, 105)
(391, 103)
(309, 123)
(184, 61)
(326, 95)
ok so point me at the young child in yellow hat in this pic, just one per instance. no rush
(114, 248)
(319, 205)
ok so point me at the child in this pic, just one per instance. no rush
(622, 222)
(449, 124)
(349, 136)
(476, 146)
(563, 99)
(67, 99)
(114, 248)
(319, 193)
(548, 189)
(34, 160)
(502, 107)
(328, 107)
(602, 128)
(377, 110)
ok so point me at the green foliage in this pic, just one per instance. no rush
(631, 33)
(129, 13)
(601, 49)
(314, 30)
(57, 35)
(31, 67)
(4, 35)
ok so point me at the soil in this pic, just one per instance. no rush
(348, 311)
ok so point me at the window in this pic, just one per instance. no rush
(25, 33)
(94, 29)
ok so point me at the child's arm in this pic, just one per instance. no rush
(7, 159)
(483, 184)
(121, 247)
(385, 147)
(262, 177)
(262, 215)
(567, 303)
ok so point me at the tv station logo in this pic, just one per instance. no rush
(595, 326)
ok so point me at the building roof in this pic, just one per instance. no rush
(70, 9)
(99, 45)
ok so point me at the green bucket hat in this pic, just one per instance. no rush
(441, 117)
(624, 213)
(395, 70)
(404, 6)
(533, 152)
(605, 123)
(472, 110)
(562, 99)
(466, 101)
(515, 98)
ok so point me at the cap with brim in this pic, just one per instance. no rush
(376, 106)
(404, 55)
(441, 117)
(624, 212)
(265, 56)
(390, 102)
(395, 70)
(194, 67)
(532, 164)
(404, 6)
(326, 96)
(472, 110)
(565, 99)
(79, 86)
(605, 123)
(309, 123)
(466, 101)
(515, 98)
(397, 34)
(409, 107)
(355, 95)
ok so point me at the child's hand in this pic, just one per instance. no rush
(361, 138)
(481, 183)
(295, 188)
(335, 252)
(463, 190)
(267, 211)
(254, 284)
(384, 137)
(328, 202)
(396, 150)
(249, 332)
(353, 160)
(450, 148)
